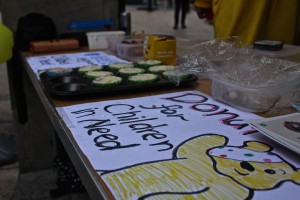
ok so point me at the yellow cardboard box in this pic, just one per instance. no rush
(160, 47)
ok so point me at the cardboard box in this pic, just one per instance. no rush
(160, 47)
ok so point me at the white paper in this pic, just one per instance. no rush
(71, 60)
(283, 129)
(136, 144)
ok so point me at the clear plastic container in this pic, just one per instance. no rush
(130, 51)
(254, 98)
(98, 40)
(113, 41)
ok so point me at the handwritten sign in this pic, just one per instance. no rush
(181, 144)
(71, 60)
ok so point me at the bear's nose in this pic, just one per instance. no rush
(247, 166)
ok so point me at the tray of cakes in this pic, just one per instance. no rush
(89, 80)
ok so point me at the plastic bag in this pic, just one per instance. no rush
(245, 67)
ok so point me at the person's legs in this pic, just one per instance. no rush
(170, 3)
(178, 6)
(184, 6)
(177, 9)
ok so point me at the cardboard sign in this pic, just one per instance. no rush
(160, 47)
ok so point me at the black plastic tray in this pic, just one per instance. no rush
(76, 84)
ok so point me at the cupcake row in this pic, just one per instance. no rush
(113, 74)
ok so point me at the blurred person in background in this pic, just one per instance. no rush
(253, 19)
(170, 3)
(182, 5)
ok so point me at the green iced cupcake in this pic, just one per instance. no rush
(107, 81)
(159, 69)
(148, 63)
(86, 69)
(143, 78)
(96, 74)
(115, 67)
(129, 71)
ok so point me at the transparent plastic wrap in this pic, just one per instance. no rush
(205, 59)
(243, 77)
(176, 75)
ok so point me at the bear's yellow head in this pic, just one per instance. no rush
(253, 166)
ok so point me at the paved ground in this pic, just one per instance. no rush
(36, 185)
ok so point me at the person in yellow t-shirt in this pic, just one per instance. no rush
(253, 19)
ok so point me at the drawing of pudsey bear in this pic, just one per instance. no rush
(203, 167)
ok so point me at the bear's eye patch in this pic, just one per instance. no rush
(270, 171)
(247, 166)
